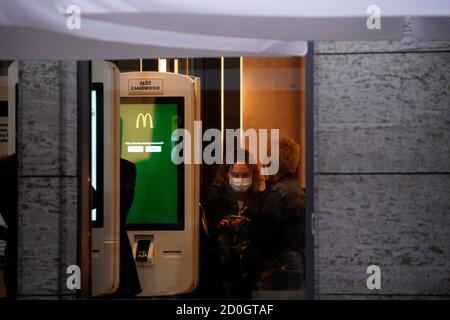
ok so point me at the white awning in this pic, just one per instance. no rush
(118, 29)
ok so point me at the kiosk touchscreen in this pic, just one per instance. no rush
(163, 218)
(147, 124)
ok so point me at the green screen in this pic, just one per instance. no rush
(145, 139)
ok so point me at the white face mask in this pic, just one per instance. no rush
(240, 184)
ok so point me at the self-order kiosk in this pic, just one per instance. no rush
(140, 113)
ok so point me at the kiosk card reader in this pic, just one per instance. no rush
(142, 251)
(163, 220)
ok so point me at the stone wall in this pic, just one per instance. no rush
(382, 168)
(47, 151)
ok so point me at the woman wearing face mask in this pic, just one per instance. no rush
(231, 199)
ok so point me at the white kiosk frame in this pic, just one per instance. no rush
(173, 262)
(105, 254)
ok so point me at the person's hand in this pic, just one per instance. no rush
(224, 223)
(235, 222)
(229, 223)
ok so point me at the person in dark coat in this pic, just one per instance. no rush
(129, 284)
(229, 200)
(274, 258)
(8, 209)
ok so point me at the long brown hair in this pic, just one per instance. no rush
(221, 178)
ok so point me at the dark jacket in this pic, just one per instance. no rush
(129, 280)
(8, 191)
(221, 251)
(276, 237)
(8, 209)
(129, 284)
(219, 202)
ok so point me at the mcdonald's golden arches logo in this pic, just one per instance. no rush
(144, 120)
